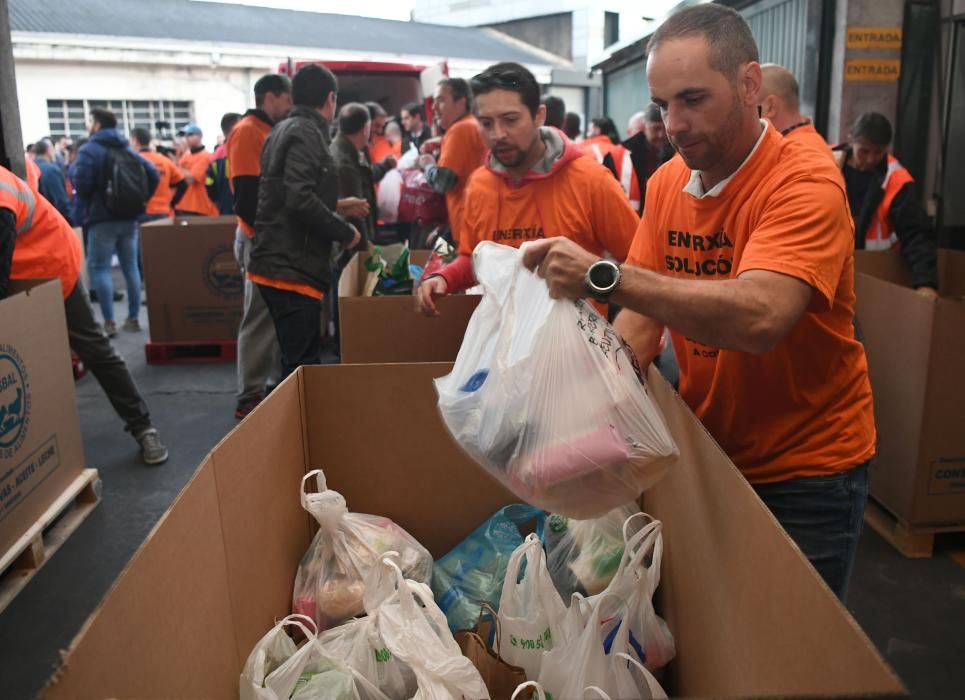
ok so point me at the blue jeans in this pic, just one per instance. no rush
(823, 515)
(106, 239)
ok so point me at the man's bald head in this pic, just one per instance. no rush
(781, 83)
(635, 124)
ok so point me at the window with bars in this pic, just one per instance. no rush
(69, 117)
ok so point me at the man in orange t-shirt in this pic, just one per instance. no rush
(461, 151)
(780, 105)
(171, 186)
(194, 166)
(745, 252)
(259, 357)
(535, 185)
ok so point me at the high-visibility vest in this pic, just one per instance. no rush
(46, 246)
(881, 233)
(597, 147)
(627, 175)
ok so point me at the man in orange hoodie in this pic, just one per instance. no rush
(535, 184)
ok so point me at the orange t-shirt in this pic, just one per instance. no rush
(809, 136)
(196, 199)
(579, 199)
(170, 175)
(462, 151)
(804, 408)
(244, 152)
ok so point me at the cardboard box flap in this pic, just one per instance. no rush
(20, 286)
(166, 628)
(883, 264)
(750, 615)
(257, 470)
(951, 274)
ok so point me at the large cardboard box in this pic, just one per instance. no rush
(195, 290)
(915, 349)
(750, 616)
(389, 329)
(40, 444)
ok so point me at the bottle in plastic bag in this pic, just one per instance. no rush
(330, 583)
(473, 572)
(546, 396)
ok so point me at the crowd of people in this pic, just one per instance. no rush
(720, 179)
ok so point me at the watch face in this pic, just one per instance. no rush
(602, 276)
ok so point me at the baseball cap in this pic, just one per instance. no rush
(190, 128)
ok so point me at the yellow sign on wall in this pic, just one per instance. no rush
(874, 37)
(872, 69)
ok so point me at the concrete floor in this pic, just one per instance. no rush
(914, 611)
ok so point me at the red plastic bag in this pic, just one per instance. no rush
(418, 201)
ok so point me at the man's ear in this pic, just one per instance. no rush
(750, 81)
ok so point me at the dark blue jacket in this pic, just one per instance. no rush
(53, 186)
(88, 177)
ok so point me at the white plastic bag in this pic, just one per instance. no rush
(530, 610)
(277, 669)
(570, 670)
(330, 582)
(379, 674)
(583, 555)
(389, 195)
(635, 582)
(415, 630)
(549, 398)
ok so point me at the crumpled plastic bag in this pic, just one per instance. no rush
(583, 555)
(330, 583)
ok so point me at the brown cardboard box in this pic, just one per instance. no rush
(195, 290)
(915, 349)
(751, 617)
(40, 445)
(388, 329)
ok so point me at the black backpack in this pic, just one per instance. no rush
(126, 186)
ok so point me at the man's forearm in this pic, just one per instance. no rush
(734, 314)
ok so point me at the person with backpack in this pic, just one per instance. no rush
(113, 184)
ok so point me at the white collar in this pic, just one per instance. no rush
(695, 187)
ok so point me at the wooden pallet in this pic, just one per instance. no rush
(22, 561)
(201, 352)
(913, 541)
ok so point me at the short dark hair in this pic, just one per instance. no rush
(228, 122)
(375, 110)
(142, 136)
(512, 77)
(274, 83)
(728, 35)
(555, 111)
(353, 117)
(312, 85)
(652, 113)
(41, 148)
(104, 117)
(460, 90)
(572, 125)
(874, 127)
(416, 109)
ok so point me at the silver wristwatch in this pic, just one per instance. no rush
(601, 279)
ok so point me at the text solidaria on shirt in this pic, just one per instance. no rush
(719, 265)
